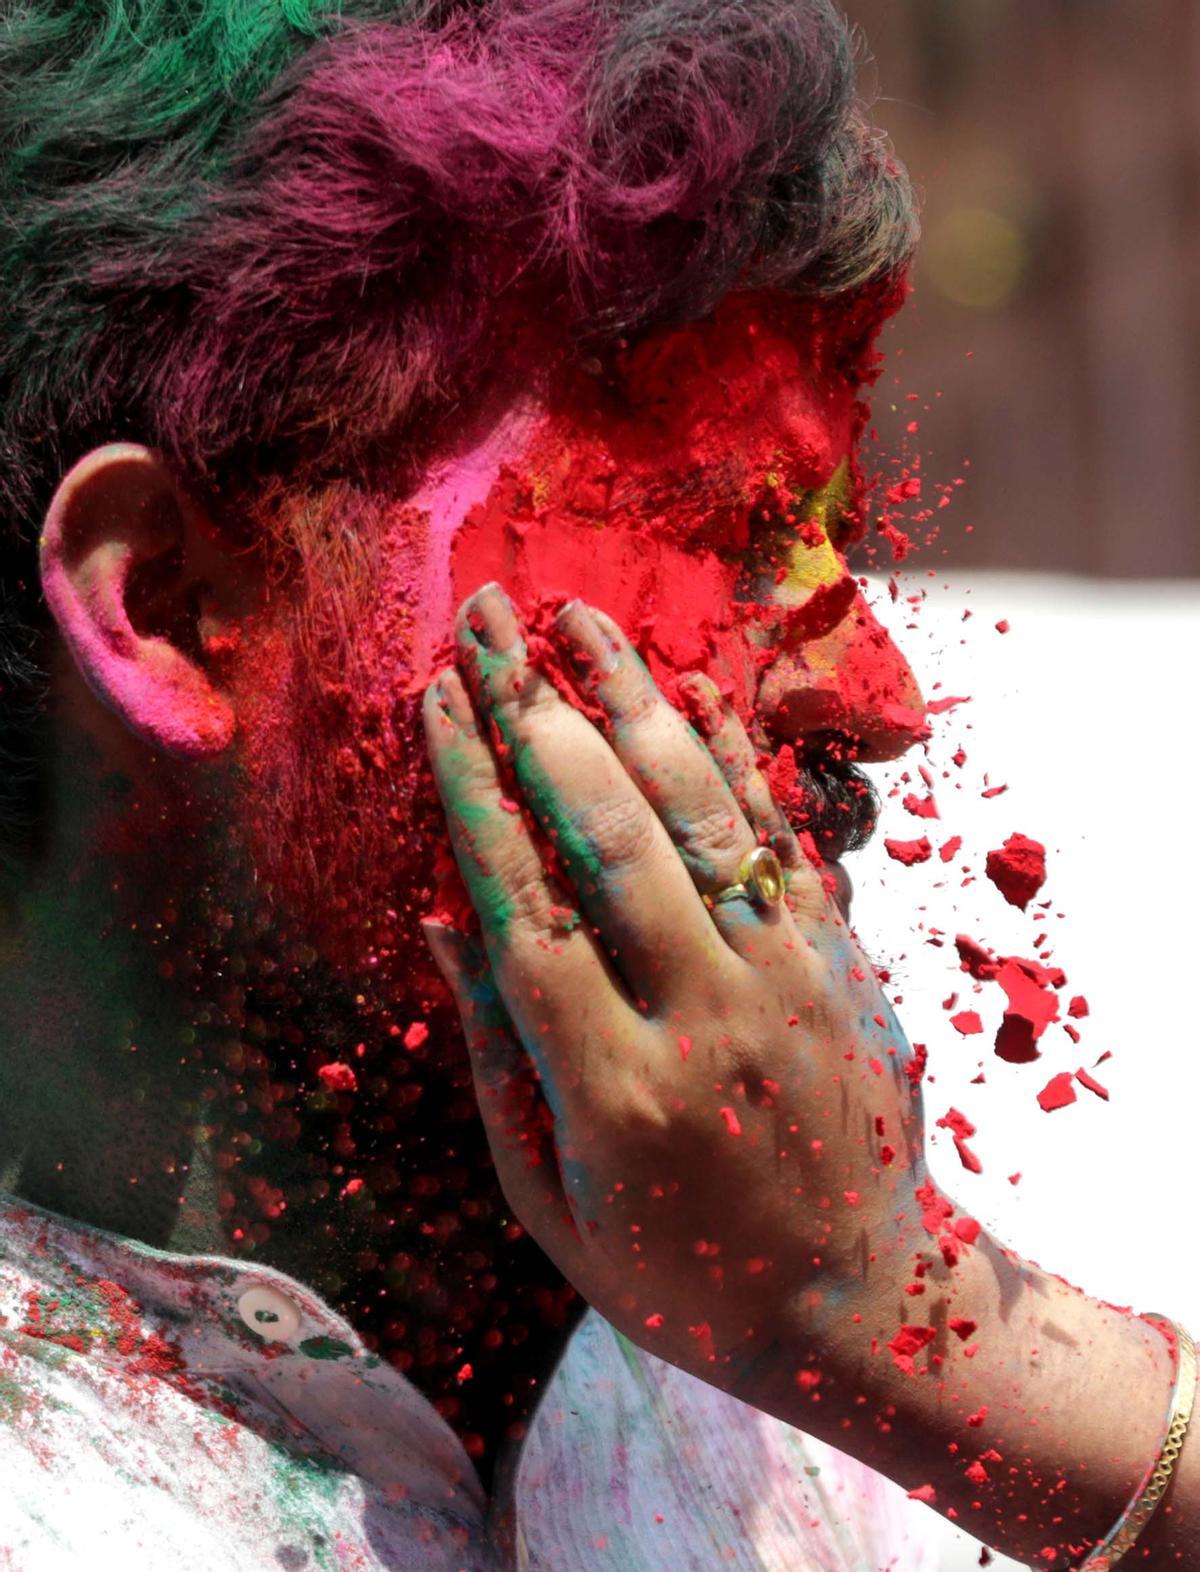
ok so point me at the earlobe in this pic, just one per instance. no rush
(113, 518)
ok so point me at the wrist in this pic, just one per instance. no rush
(1002, 1395)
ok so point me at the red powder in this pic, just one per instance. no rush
(921, 807)
(1092, 1084)
(924, 1493)
(967, 1022)
(962, 1130)
(732, 1123)
(338, 1077)
(909, 852)
(416, 1034)
(907, 1343)
(1018, 869)
(1031, 1007)
(1058, 1092)
(961, 1327)
(1078, 1007)
(975, 959)
(935, 1209)
(950, 849)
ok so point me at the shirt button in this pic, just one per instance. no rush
(269, 1313)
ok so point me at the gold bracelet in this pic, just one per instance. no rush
(1158, 1476)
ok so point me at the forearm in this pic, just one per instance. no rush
(1033, 1431)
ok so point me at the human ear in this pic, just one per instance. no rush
(123, 572)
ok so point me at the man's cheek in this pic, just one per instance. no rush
(678, 606)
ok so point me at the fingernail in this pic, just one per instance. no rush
(453, 698)
(491, 618)
(588, 644)
(449, 950)
(703, 700)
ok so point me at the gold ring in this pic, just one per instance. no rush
(760, 880)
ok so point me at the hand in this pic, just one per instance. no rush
(705, 1116)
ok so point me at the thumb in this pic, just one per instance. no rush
(496, 1054)
(519, 1124)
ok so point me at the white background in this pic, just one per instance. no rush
(1085, 710)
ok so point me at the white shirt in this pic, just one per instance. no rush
(171, 1413)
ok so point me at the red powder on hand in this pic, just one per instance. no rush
(962, 1129)
(961, 1327)
(924, 1493)
(907, 1343)
(1018, 869)
(732, 1123)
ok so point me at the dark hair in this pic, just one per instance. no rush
(272, 239)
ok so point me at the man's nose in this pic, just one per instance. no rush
(851, 680)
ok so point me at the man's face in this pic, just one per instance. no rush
(701, 488)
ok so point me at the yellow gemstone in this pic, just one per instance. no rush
(765, 876)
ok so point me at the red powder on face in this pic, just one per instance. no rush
(1018, 869)
(670, 508)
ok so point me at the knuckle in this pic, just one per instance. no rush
(639, 1111)
(718, 829)
(521, 692)
(641, 703)
(621, 827)
(517, 868)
